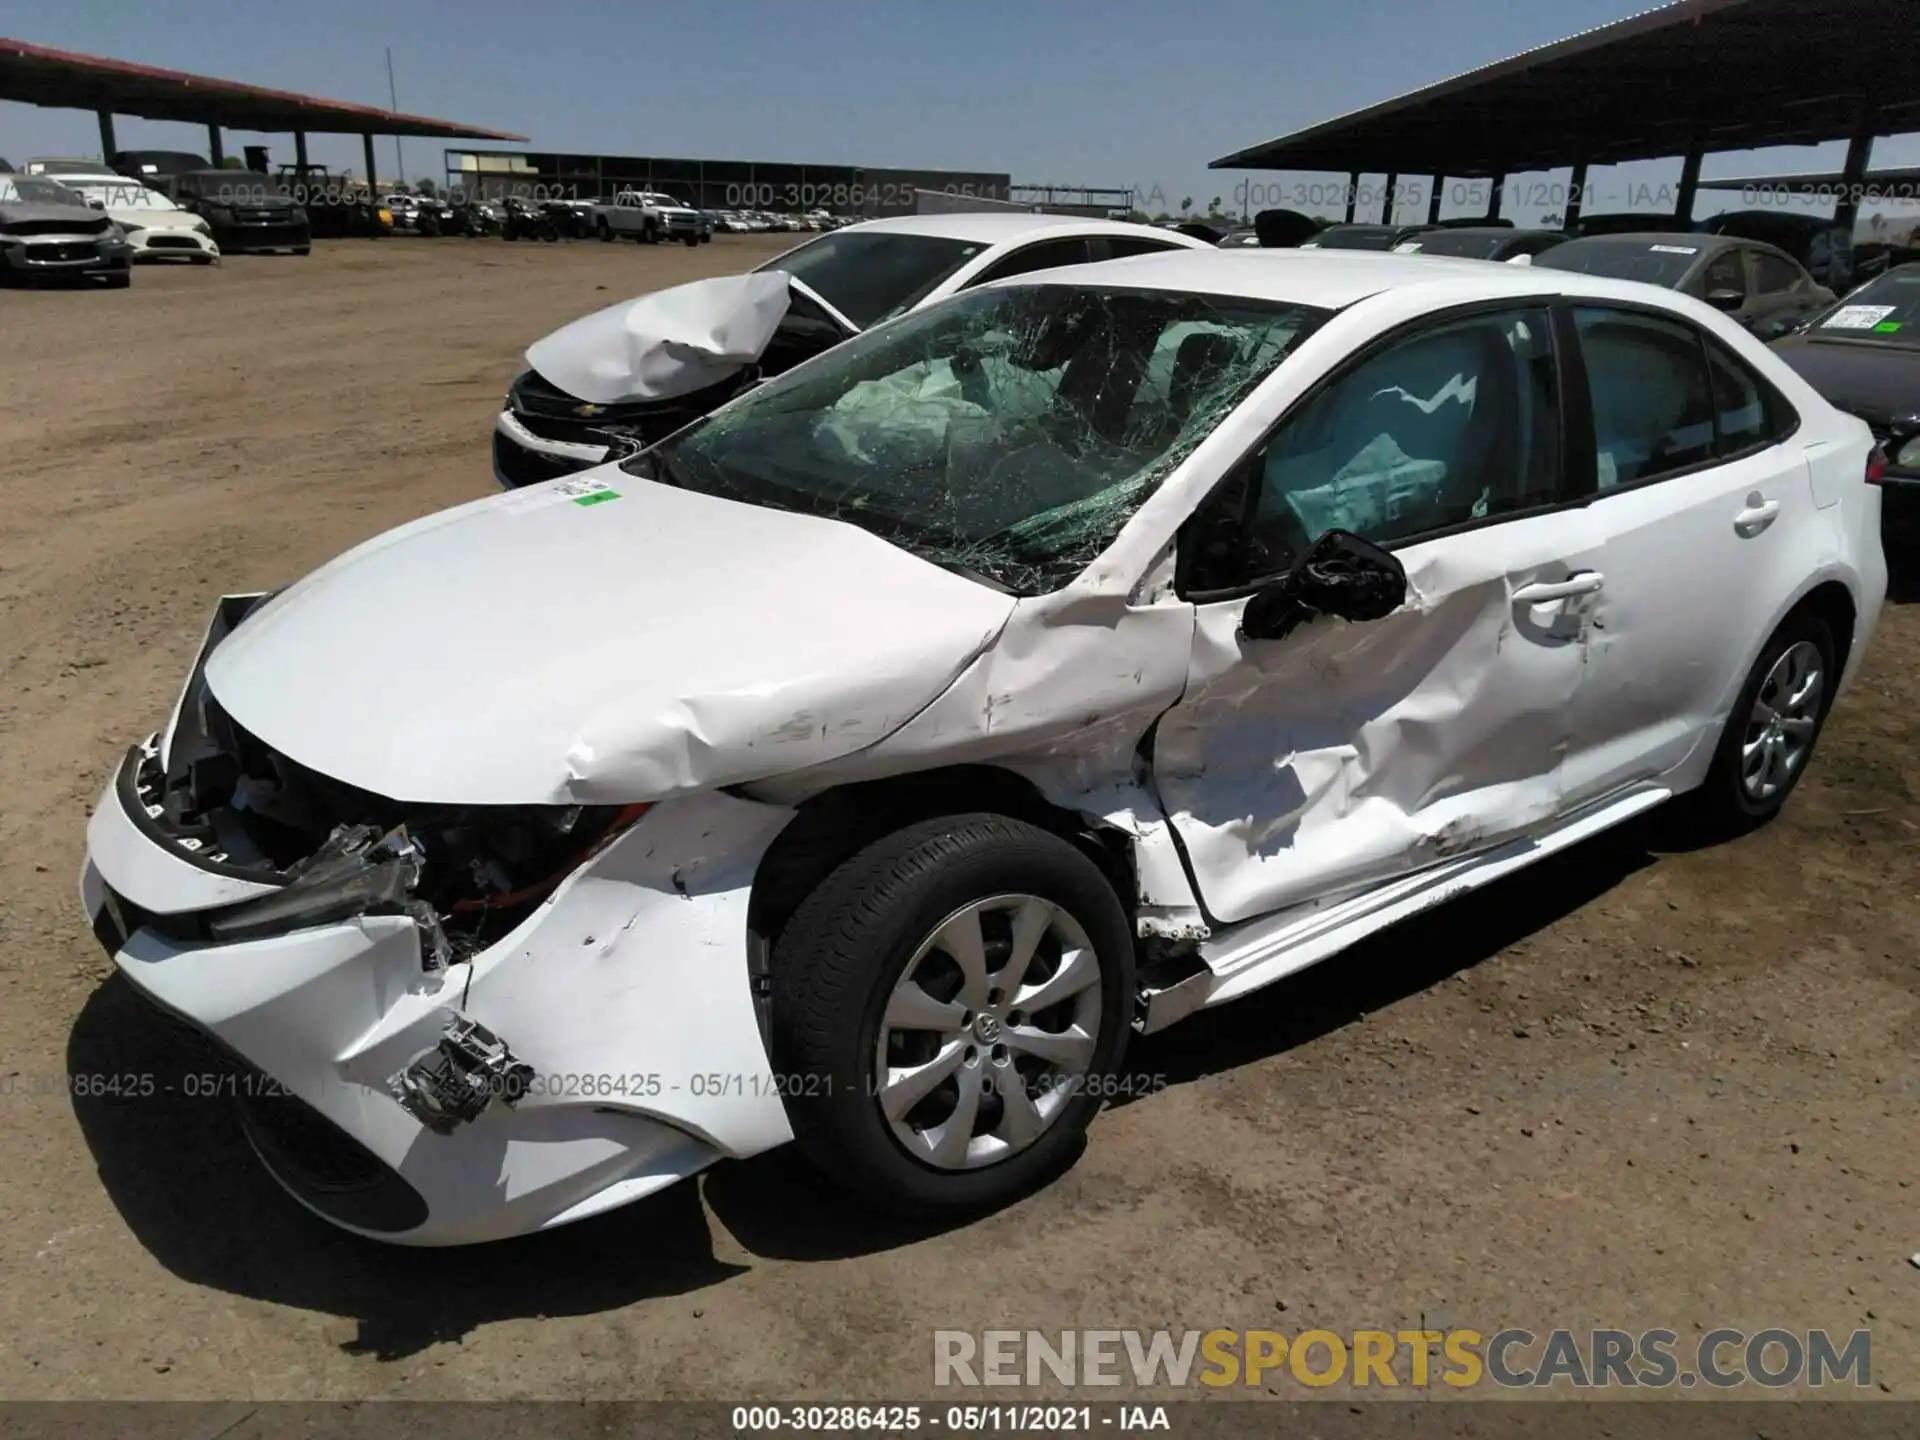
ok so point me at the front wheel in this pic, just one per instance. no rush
(950, 1008)
(1770, 735)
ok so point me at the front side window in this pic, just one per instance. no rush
(1031, 259)
(1455, 424)
(1773, 273)
(1647, 379)
(1726, 273)
(1008, 433)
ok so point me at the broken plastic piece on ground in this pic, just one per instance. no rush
(672, 342)
(452, 1083)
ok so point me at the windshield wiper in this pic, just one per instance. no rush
(662, 470)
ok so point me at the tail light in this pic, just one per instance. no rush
(1877, 465)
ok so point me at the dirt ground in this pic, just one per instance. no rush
(1635, 1087)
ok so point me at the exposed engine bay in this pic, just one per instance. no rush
(465, 874)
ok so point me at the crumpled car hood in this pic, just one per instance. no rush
(672, 342)
(600, 639)
(84, 218)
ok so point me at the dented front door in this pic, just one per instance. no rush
(1349, 753)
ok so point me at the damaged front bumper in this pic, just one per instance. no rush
(603, 1047)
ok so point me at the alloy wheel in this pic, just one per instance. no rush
(1781, 726)
(988, 1033)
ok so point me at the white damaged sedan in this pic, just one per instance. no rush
(864, 763)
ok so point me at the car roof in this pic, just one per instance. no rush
(1706, 242)
(1505, 232)
(1003, 227)
(1333, 279)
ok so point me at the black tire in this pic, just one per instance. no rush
(1723, 805)
(692, 241)
(602, 229)
(837, 962)
(303, 249)
(119, 280)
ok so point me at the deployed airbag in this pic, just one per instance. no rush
(672, 342)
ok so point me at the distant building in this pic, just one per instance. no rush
(714, 184)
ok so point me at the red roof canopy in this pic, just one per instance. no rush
(37, 75)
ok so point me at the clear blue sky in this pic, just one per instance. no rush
(1101, 92)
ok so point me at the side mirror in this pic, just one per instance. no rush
(1340, 574)
(1726, 299)
(94, 202)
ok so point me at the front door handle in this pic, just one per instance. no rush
(1758, 515)
(1586, 582)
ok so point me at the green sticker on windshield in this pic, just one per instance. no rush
(1886, 327)
(598, 497)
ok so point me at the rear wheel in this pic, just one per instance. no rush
(602, 228)
(1770, 735)
(948, 1007)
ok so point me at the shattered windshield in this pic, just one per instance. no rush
(1009, 433)
(872, 275)
(1885, 311)
(33, 190)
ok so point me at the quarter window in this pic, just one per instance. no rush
(1647, 379)
(1456, 424)
(1748, 413)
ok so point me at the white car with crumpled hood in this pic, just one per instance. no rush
(865, 763)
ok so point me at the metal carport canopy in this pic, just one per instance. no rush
(36, 75)
(1697, 75)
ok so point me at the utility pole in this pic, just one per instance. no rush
(393, 104)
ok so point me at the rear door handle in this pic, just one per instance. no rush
(1587, 582)
(1758, 515)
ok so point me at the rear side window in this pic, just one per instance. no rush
(1647, 380)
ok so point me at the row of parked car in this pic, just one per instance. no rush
(81, 218)
(1770, 270)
